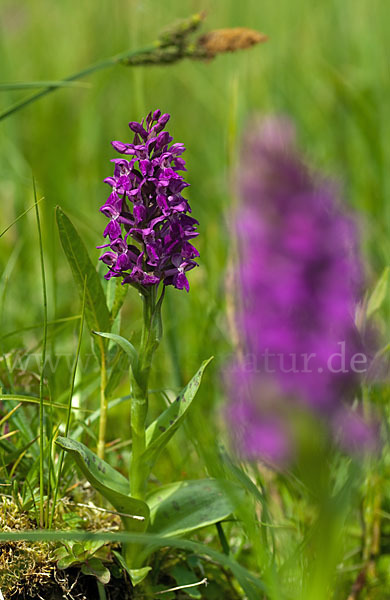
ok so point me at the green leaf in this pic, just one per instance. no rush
(60, 552)
(123, 343)
(110, 483)
(96, 311)
(379, 293)
(98, 468)
(162, 429)
(94, 566)
(136, 575)
(185, 506)
(67, 561)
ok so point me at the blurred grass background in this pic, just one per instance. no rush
(326, 64)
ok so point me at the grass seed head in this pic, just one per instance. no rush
(229, 40)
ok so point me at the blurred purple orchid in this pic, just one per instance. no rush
(298, 275)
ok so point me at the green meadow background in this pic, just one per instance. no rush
(326, 64)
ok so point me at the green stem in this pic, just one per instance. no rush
(69, 408)
(43, 360)
(150, 338)
(108, 62)
(103, 402)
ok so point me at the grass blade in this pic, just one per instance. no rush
(109, 62)
(43, 361)
(22, 85)
(69, 409)
(36, 400)
(20, 216)
(252, 585)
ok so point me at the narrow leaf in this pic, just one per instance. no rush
(162, 429)
(379, 293)
(252, 585)
(96, 311)
(123, 343)
(35, 400)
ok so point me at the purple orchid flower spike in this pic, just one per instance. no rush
(149, 225)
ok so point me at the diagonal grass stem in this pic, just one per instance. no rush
(69, 411)
(43, 361)
(108, 62)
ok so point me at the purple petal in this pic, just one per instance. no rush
(137, 128)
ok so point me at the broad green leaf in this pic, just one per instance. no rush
(94, 566)
(60, 553)
(162, 429)
(379, 293)
(136, 575)
(109, 482)
(98, 468)
(66, 561)
(96, 311)
(184, 506)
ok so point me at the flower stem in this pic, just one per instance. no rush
(150, 338)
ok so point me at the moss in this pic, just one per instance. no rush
(29, 570)
(24, 567)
